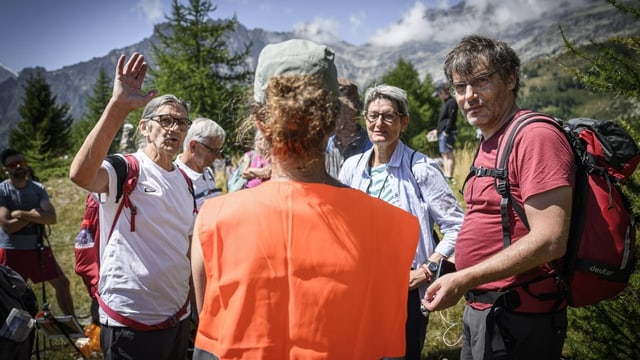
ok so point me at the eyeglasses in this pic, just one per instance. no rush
(168, 121)
(477, 83)
(387, 117)
(212, 150)
(16, 164)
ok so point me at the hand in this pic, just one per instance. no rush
(444, 292)
(15, 214)
(20, 214)
(249, 174)
(127, 83)
(416, 278)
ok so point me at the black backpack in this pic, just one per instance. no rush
(18, 306)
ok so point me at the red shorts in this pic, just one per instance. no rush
(27, 264)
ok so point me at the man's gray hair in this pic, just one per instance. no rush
(201, 129)
(162, 100)
(383, 91)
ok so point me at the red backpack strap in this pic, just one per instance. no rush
(133, 172)
(190, 187)
(138, 326)
(127, 170)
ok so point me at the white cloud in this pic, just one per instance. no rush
(412, 26)
(357, 21)
(480, 16)
(151, 10)
(320, 30)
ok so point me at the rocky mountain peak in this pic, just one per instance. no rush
(532, 32)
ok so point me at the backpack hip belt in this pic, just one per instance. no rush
(170, 322)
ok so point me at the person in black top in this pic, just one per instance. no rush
(447, 129)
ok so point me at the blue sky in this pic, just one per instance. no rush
(56, 33)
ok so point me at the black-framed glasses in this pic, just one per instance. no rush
(212, 150)
(387, 117)
(16, 164)
(167, 121)
(477, 83)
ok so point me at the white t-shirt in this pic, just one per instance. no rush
(204, 184)
(144, 275)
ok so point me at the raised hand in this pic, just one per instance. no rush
(128, 80)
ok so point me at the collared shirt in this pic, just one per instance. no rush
(421, 189)
(334, 158)
(204, 183)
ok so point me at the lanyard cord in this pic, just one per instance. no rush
(384, 183)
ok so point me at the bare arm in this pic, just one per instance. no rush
(197, 269)
(46, 214)
(255, 172)
(86, 169)
(549, 217)
(8, 223)
(13, 221)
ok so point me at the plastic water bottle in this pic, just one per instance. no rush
(84, 239)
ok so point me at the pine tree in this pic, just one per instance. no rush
(193, 61)
(422, 107)
(609, 330)
(96, 102)
(41, 116)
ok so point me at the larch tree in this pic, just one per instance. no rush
(194, 61)
(96, 102)
(422, 107)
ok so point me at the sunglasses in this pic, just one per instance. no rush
(16, 164)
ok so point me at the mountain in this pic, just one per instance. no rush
(532, 35)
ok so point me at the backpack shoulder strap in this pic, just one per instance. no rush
(120, 165)
(502, 161)
(501, 170)
(127, 170)
(413, 154)
(190, 187)
(434, 233)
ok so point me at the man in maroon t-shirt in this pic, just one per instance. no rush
(501, 318)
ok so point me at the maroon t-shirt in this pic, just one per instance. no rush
(541, 160)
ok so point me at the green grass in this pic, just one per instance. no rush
(68, 200)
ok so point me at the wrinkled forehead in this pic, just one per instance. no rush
(175, 109)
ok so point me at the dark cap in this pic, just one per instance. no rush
(440, 86)
(6, 153)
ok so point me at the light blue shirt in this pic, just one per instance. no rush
(378, 187)
(421, 189)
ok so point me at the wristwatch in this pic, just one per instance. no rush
(431, 266)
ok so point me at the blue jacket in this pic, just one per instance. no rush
(421, 189)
